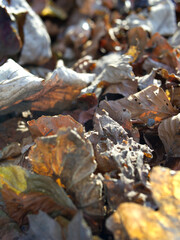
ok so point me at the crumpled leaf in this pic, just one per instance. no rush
(10, 41)
(42, 227)
(16, 83)
(47, 125)
(25, 192)
(60, 90)
(115, 72)
(69, 158)
(150, 103)
(114, 150)
(12, 150)
(35, 33)
(120, 115)
(78, 228)
(144, 222)
(168, 131)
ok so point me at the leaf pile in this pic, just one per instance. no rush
(89, 120)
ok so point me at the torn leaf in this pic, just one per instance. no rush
(150, 103)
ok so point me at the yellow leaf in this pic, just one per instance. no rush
(143, 223)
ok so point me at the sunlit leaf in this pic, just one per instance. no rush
(132, 221)
(150, 103)
(47, 125)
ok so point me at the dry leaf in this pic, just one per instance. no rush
(78, 229)
(9, 230)
(16, 84)
(24, 192)
(42, 227)
(10, 151)
(161, 51)
(60, 90)
(47, 125)
(36, 48)
(169, 133)
(114, 150)
(150, 103)
(145, 223)
(69, 158)
(10, 41)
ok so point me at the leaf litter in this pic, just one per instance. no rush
(89, 120)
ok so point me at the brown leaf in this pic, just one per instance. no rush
(169, 133)
(161, 51)
(150, 103)
(47, 125)
(24, 192)
(145, 223)
(10, 151)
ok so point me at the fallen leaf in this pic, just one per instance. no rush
(10, 41)
(9, 230)
(150, 103)
(25, 192)
(69, 157)
(161, 51)
(114, 150)
(169, 130)
(78, 228)
(10, 151)
(63, 86)
(41, 226)
(47, 125)
(144, 222)
(35, 34)
(16, 84)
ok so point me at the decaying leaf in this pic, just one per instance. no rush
(132, 221)
(147, 80)
(169, 133)
(16, 83)
(78, 229)
(69, 157)
(42, 227)
(25, 192)
(46, 125)
(114, 150)
(150, 103)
